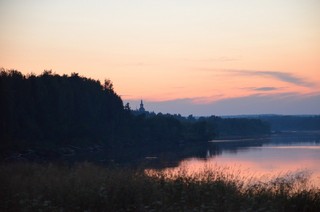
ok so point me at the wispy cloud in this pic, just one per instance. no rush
(207, 99)
(265, 89)
(261, 88)
(282, 76)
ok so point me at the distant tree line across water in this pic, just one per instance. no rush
(50, 110)
(292, 123)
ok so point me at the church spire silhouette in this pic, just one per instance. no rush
(141, 109)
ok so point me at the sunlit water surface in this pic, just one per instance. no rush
(265, 159)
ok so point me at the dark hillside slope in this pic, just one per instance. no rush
(55, 109)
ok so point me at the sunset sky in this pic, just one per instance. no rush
(198, 57)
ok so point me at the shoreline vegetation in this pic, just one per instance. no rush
(89, 187)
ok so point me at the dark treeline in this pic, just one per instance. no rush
(235, 127)
(49, 111)
(52, 109)
(287, 122)
(282, 123)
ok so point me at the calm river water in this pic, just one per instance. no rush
(260, 157)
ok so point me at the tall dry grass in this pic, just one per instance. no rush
(89, 187)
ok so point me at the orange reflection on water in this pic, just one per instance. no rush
(259, 164)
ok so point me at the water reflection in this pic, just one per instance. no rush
(260, 157)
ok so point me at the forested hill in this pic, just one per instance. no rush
(49, 107)
(52, 111)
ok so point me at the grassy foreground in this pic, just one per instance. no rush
(88, 187)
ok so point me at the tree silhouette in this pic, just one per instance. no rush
(51, 111)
